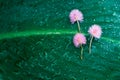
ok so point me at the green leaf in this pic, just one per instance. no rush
(36, 40)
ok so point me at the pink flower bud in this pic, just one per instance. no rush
(95, 31)
(75, 15)
(79, 39)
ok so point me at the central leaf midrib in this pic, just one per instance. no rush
(11, 35)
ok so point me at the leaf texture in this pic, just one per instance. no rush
(36, 40)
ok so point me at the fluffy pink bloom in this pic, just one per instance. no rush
(79, 39)
(75, 15)
(95, 31)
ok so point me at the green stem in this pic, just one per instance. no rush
(78, 26)
(81, 55)
(90, 44)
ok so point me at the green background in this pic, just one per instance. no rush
(36, 40)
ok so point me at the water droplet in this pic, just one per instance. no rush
(116, 7)
(114, 14)
(104, 8)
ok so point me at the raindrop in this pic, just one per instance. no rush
(118, 57)
(114, 14)
(118, 16)
(36, 2)
(36, 10)
(116, 7)
(107, 19)
(94, 20)
(104, 8)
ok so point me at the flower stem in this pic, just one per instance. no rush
(90, 44)
(81, 55)
(78, 26)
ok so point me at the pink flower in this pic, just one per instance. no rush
(95, 31)
(75, 15)
(79, 39)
